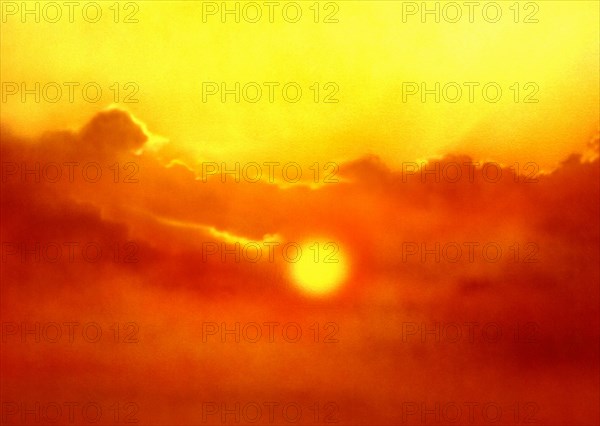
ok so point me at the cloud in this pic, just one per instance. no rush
(389, 223)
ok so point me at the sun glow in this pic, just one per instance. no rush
(367, 72)
(321, 267)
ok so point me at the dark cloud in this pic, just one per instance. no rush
(374, 212)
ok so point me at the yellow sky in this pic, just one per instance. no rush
(368, 54)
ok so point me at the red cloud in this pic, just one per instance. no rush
(389, 223)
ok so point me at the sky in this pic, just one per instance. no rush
(164, 262)
(372, 49)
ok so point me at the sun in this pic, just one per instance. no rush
(321, 267)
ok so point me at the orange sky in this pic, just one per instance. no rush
(108, 218)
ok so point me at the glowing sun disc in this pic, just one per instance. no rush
(321, 267)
